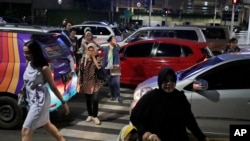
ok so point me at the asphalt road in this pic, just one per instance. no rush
(112, 114)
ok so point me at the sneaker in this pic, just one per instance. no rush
(112, 98)
(97, 121)
(89, 118)
(119, 99)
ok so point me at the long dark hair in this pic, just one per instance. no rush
(38, 58)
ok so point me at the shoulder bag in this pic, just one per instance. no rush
(22, 98)
(116, 70)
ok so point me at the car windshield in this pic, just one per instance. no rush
(116, 31)
(198, 67)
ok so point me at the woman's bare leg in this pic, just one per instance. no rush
(27, 134)
(51, 128)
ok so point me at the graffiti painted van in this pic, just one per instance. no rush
(12, 65)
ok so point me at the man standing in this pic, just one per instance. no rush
(111, 60)
(232, 46)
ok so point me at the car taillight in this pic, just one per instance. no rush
(75, 66)
(100, 53)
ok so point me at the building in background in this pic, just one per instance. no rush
(162, 10)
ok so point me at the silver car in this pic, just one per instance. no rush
(218, 90)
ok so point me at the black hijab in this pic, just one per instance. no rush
(163, 74)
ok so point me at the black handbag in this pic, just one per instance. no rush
(100, 74)
(22, 98)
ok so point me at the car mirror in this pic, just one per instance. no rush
(200, 84)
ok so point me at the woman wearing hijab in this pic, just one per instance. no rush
(89, 84)
(128, 133)
(163, 114)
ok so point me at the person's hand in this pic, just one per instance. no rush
(153, 137)
(145, 136)
(66, 108)
(78, 87)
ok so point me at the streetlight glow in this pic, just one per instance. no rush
(59, 2)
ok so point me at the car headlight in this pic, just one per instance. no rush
(140, 92)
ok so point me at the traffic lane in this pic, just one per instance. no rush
(63, 122)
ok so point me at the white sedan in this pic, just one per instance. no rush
(218, 90)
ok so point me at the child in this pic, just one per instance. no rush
(128, 133)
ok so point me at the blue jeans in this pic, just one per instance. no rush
(114, 86)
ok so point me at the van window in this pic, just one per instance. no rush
(186, 34)
(102, 31)
(162, 33)
(80, 29)
(139, 50)
(214, 33)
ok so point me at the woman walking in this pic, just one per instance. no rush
(36, 75)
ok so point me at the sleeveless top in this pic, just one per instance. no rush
(35, 86)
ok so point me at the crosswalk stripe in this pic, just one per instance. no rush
(105, 115)
(88, 135)
(112, 114)
(114, 107)
(104, 124)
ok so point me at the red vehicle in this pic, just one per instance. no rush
(143, 59)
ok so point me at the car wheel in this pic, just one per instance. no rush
(11, 115)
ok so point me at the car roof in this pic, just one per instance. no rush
(99, 25)
(201, 26)
(169, 27)
(234, 56)
(26, 28)
(167, 38)
(95, 22)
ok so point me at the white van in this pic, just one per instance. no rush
(216, 37)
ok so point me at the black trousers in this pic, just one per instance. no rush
(92, 104)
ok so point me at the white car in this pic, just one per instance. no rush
(100, 32)
(218, 90)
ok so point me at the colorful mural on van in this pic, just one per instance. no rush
(12, 65)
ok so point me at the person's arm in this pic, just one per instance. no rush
(49, 79)
(139, 114)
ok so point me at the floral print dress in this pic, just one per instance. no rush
(88, 81)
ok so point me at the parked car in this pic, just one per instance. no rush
(95, 22)
(56, 49)
(217, 89)
(143, 59)
(100, 32)
(11, 20)
(217, 37)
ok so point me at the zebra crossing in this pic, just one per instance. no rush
(113, 115)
